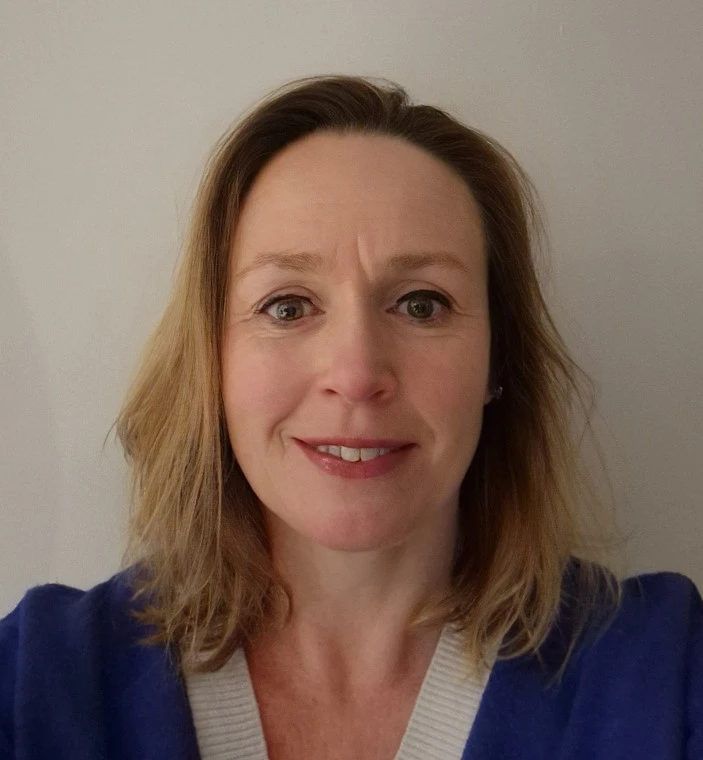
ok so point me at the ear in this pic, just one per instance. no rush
(489, 393)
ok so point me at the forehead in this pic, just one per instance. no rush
(329, 190)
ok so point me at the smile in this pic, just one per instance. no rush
(355, 463)
(353, 455)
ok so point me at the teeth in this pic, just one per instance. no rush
(352, 455)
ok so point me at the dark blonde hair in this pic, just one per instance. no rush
(527, 507)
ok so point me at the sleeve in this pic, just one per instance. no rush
(694, 679)
(8, 676)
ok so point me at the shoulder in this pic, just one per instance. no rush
(668, 603)
(78, 680)
(632, 686)
(661, 619)
(659, 615)
(645, 667)
(658, 612)
(58, 635)
(644, 655)
(669, 589)
(65, 616)
(660, 604)
(62, 619)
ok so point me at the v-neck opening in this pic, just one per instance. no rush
(229, 727)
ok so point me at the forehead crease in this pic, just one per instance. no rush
(414, 260)
(308, 261)
(296, 261)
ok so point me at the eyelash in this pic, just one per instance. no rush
(432, 295)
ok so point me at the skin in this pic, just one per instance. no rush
(360, 555)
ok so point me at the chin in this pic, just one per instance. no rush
(356, 544)
(348, 533)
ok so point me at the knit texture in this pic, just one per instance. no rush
(76, 683)
(228, 725)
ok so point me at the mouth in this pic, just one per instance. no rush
(357, 443)
(359, 461)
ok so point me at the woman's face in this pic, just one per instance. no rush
(357, 313)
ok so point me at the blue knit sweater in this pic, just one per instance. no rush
(73, 684)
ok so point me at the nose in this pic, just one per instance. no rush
(357, 358)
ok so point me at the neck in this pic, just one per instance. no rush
(351, 611)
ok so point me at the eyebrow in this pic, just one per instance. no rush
(306, 262)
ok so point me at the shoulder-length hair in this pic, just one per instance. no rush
(196, 529)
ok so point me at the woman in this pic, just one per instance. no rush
(358, 505)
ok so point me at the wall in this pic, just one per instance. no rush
(109, 109)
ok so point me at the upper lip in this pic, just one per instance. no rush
(356, 443)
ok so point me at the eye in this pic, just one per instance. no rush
(286, 308)
(420, 305)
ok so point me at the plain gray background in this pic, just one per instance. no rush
(108, 110)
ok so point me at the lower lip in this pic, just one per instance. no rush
(353, 470)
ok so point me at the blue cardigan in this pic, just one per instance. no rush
(73, 684)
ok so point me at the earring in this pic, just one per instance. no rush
(497, 393)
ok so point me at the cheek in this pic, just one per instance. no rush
(258, 386)
(450, 391)
(452, 379)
